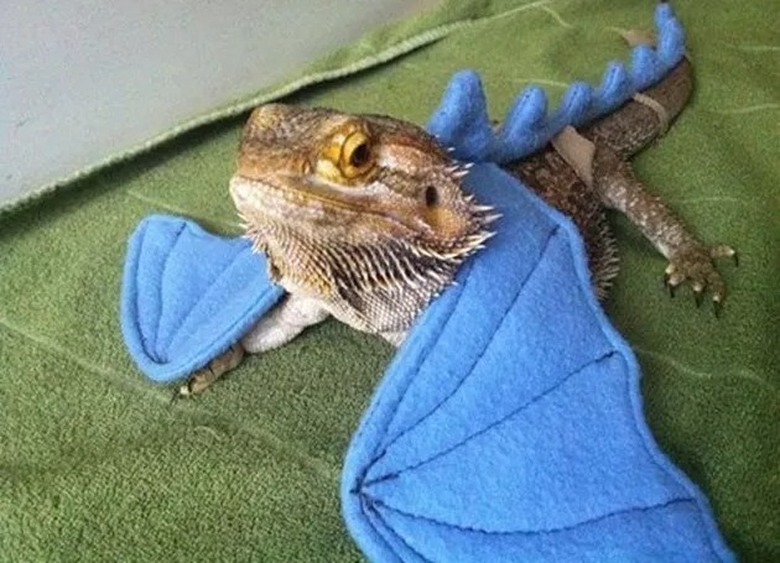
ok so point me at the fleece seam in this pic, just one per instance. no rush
(495, 424)
(156, 354)
(157, 367)
(687, 492)
(549, 531)
(475, 363)
(378, 515)
(185, 318)
(425, 354)
(627, 357)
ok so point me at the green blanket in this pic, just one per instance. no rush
(95, 464)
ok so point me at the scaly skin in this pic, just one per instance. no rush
(364, 213)
(365, 218)
(617, 137)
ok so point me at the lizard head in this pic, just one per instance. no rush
(370, 198)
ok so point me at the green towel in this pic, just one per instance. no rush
(95, 465)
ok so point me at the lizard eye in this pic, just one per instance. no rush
(356, 155)
(348, 155)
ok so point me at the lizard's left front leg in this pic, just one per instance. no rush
(689, 259)
(283, 323)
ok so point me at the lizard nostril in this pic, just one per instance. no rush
(431, 196)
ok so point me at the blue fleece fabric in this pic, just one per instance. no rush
(509, 425)
(520, 437)
(187, 295)
(461, 120)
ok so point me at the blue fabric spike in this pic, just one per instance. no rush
(644, 66)
(671, 43)
(462, 121)
(615, 84)
(521, 438)
(187, 295)
(575, 104)
(523, 124)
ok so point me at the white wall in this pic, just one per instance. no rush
(83, 79)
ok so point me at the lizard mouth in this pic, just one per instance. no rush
(447, 223)
(286, 199)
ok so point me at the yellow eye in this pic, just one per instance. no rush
(356, 155)
(348, 155)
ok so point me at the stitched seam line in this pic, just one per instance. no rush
(187, 317)
(637, 509)
(367, 518)
(157, 355)
(131, 279)
(669, 469)
(476, 361)
(535, 399)
(398, 536)
(425, 354)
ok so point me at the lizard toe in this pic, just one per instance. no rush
(724, 251)
(202, 379)
(695, 266)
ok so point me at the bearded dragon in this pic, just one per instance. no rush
(365, 218)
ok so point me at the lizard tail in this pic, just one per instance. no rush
(646, 116)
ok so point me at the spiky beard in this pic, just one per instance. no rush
(364, 267)
(412, 271)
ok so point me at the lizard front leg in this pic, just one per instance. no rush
(285, 321)
(689, 259)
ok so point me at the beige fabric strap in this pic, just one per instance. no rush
(660, 111)
(577, 151)
(636, 37)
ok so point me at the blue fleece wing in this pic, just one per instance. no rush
(187, 295)
(509, 425)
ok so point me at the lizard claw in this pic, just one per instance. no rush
(202, 379)
(698, 294)
(196, 384)
(668, 285)
(724, 251)
(694, 264)
(717, 306)
(177, 394)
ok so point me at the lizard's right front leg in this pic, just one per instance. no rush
(285, 321)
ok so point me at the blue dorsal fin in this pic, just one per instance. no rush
(671, 38)
(645, 67)
(461, 120)
(574, 104)
(615, 84)
(523, 125)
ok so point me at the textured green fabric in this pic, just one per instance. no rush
(94, 464)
